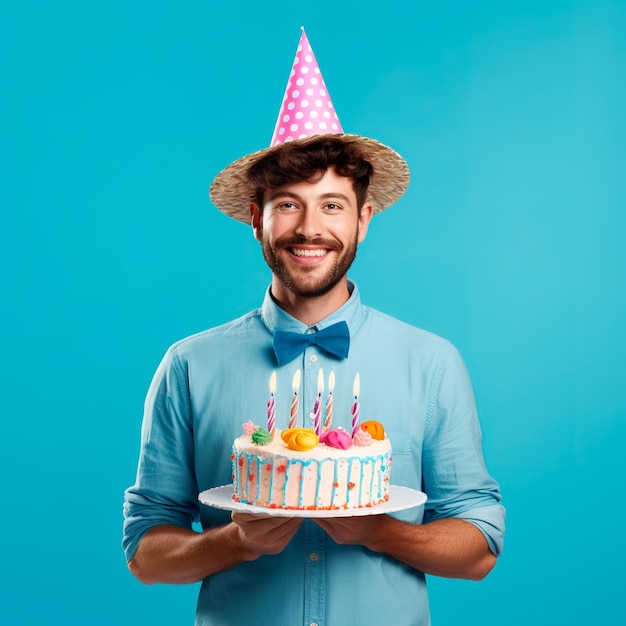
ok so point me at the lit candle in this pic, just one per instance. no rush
(317, 407)
(329, 402)
(355, 406)
(295, 385)
(271, 406)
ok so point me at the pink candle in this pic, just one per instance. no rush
(295, 385)
(317, 407)
(329, 402)
(356, 409)
(271, 406)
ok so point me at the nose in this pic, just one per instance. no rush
(310, 223)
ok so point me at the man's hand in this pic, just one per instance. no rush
(447, 547)
(353, 530)
(173, 555)
(266, 535)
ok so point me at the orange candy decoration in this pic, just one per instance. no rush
(375, 429)
(300, 439)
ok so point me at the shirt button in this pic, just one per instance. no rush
(314, 556)
(313, 358)
(313, 624)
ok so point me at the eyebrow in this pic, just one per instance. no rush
(277, 193)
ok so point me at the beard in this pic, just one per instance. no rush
(306, 282)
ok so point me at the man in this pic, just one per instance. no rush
(310, 202)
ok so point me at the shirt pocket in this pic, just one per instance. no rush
(405, 466)
(406, 471)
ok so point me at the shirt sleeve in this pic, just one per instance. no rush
(455, 478)
(165, 489)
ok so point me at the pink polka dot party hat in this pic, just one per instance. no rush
(307, 108)
(306, 115)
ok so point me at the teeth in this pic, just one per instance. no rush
(299, 252)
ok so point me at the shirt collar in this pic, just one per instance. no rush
(274, 317)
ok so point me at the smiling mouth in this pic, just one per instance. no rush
(303, 252)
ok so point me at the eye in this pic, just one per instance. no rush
(286, 206)
(331, 206)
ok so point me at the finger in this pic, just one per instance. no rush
(330, 524)
(268, 535)
(267, 530)
(245, 519)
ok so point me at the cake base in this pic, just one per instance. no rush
(324, 477)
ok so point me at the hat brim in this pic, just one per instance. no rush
(231, 191)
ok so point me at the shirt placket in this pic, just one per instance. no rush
(314, 575)
(312, 365)
(314, 537)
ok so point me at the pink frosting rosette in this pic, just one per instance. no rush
(362, 438)
(336, 438)
(249, 427)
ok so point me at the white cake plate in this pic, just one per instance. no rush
(400, 498)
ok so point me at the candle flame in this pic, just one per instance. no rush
(273, 383)
(295, 383)
(320, 381)
(357, 385)
(331, 382)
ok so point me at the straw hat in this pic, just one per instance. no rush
(307, 114)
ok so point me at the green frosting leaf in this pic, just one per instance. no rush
(261, 436)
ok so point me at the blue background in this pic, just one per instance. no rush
(115, 116)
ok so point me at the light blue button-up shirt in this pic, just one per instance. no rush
(413, 382)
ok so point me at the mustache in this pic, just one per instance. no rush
(290, 241)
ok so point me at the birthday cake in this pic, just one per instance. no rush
(298, 469)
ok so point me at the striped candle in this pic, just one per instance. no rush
(295, 386)
(329, 402)
(356, 408)
(271, 406)
(317, 407)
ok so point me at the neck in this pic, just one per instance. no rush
(310, 310)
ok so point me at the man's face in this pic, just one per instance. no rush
(309, 232)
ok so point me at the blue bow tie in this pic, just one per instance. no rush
(335, 340)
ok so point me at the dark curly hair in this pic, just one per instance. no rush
(298, 161)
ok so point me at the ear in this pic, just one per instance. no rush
(365, 217)
(256, 220)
